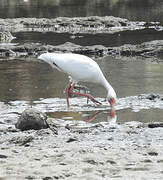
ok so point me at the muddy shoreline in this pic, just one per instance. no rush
(100, 151)
(81, 150)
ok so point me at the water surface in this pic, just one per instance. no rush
(140, 10)
(117, 39)
(31, 80)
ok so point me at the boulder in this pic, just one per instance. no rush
(32, 119)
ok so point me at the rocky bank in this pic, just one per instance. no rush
(77, 25)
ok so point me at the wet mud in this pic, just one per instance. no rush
(82, 148)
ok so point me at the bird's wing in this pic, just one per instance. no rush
(53, 64)
(79, 67)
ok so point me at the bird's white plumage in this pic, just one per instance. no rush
(79, 67)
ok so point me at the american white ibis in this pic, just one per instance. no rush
(79, 68)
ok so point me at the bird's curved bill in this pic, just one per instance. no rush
(112, 102)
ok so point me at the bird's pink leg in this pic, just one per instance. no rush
(67, 94)
(82, 94)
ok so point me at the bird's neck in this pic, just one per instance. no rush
(108, 87)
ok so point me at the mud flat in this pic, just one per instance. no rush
(82, 150)
(100, 151)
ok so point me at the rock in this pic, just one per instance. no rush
(155, 125)
(21, 140)
(53, 126)
(153, 153)
(6, 36)
(151, 96)
(71, 140)
(32, 119)
(3, 156)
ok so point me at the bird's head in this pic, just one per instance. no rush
(50, 59)
(45, 57)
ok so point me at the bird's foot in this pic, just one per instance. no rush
(94, 100)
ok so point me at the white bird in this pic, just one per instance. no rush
(79, 68)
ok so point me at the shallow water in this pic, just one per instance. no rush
(108, 40)
(122, 116)
(34, 84)
(30, 80)
(140, 10)
(30, 83)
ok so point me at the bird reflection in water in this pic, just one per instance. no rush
(83, 89)
(111, 118)
(86, 116)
